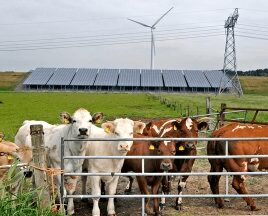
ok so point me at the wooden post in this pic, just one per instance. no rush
(40, 180)
(208, 111)
(222, 115)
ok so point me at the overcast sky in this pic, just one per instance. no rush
(97, 34)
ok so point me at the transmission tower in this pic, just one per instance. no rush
(229, 65)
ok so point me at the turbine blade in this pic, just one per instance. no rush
(157, 21)
(140, 23)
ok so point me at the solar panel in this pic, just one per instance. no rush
(62, 76)
(39, 76)
(174, 78)
(84, 77)
(215, 77)
(196, 78)
(107, 77)
(129, 77)
(151, 78)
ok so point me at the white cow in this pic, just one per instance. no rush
(79, 127)
(119, 128)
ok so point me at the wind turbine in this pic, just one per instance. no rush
(152, 27)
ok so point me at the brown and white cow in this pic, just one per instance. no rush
(9, 152)
(162, 148)
(238, 164)
(177, 128)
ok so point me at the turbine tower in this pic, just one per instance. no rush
(229, 66)
(152, 28)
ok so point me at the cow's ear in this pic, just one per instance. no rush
(176, 125)
(202, 125)
(2, 135)
(65, 118)
(138, 127)
(97, 118)
(108, 127)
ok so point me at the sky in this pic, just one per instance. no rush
(98, 34)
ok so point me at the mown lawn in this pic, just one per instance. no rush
(15, 107)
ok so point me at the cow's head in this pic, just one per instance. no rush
(9, 152)
(81, 122)
(164, 148)
(122, 128)
(187, 128)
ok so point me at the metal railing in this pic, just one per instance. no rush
(143, 196)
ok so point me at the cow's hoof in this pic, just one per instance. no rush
(220, 205)
(127, 191)
(162, 206)
(179, 207)
(254, 208)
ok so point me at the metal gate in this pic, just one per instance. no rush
(143, 196)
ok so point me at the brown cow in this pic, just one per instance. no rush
(150, 148)
(177, 128)
(237, 164)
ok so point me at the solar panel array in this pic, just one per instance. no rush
(138, 78)
(196, 79)
(174, 78)
(151, 78)
(216, 77)
(129, 77)
(107, 77)
(62, 76)
(39, 76)
(84, 77)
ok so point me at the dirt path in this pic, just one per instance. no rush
(197, 206)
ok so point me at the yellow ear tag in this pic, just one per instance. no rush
(10, 157)
(151, 147)
(107, 130)
(98, 121)
(1, 139)
(66, 121)
(175, 128)
(181, 148)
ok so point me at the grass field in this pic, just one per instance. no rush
(9, 80)
(15, 107)
(254, 85)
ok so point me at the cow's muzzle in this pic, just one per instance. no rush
(28, 174)
(166, 166)
(189, 146)
(83, 131)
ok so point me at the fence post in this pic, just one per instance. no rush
(40, 180)
(222, 114)
(208, 111)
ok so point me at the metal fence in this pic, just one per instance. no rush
(143, 196)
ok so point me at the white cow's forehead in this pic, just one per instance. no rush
(189, 123)
(82, 114)
(123, 125)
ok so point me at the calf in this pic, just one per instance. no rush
(78, 127)
(238, 164)
(119, 128)
(164, 148)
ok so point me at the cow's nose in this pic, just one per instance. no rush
(28, 174)
(83, 131)
(124, 147)
(166, 166)
(189, 145)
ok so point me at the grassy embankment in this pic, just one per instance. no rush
(9, 80)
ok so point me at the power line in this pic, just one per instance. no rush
(105, 44)
(252, 37)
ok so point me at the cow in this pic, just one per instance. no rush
(119, 128)
(9, 153)
(237, 164)
(77, 127)
(163, 148)
(177, 128)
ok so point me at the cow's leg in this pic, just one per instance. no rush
(111, 187)
(216, 166)
(186, 167)
(96, 191)
(155, 189)
(166, 187)
(84, 182)
(144, 190)
(128, 188)
(70, 186)
(239, 185)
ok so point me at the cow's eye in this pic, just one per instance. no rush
(117, 134)
(90, 120)
(74, 121)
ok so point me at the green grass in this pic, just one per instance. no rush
(15, 107)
